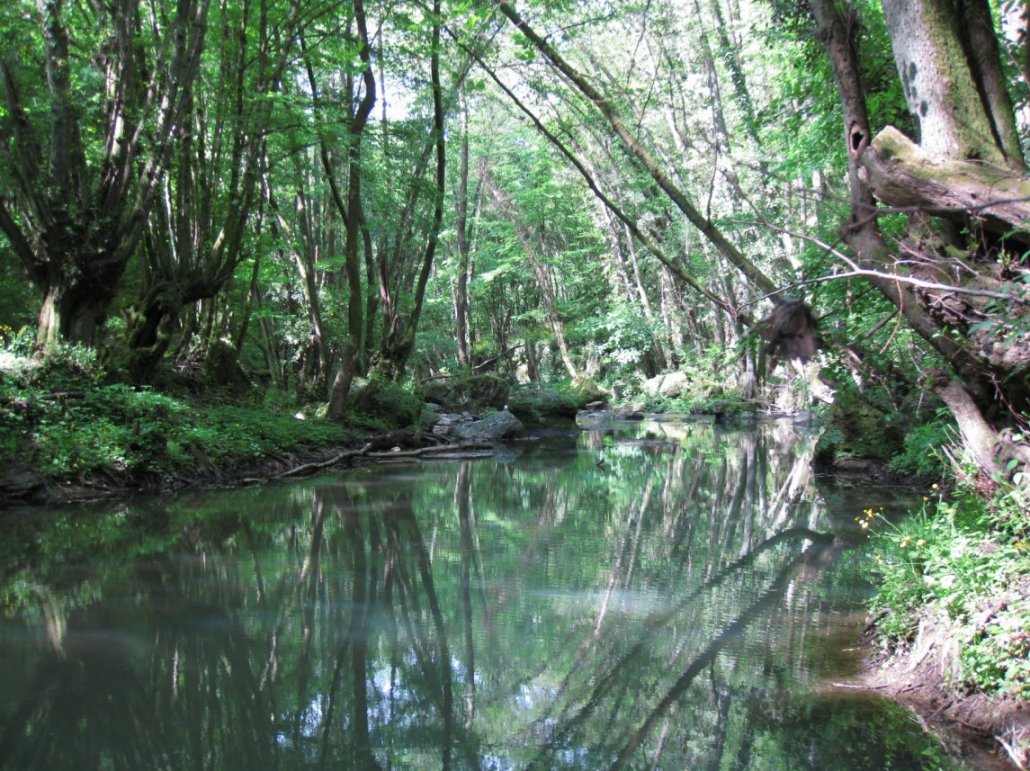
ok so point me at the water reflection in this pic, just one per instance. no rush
(662, 608)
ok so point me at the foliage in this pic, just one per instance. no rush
(950, 560)
(58, 419)
(922, 453)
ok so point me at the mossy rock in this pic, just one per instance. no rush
(857, 429)
(222, 368)
(584, 391)
(386, 401)
(472, 393)
(734, 411)
(538, 406)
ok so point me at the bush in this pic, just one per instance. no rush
(68, 368)
(922, 447)
(65, 433)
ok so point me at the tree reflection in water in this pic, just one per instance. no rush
(662, 610)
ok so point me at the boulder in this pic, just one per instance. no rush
(492, 428)
(385, 400)
(669, 385)
(541, 407)
(474, 393)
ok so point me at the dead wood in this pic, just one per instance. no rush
(903, 175)
(309, 467)
(437, 450)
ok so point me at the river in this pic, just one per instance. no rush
(662, 594)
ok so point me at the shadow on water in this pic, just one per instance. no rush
(648, 595)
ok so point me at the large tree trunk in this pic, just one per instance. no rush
(946, 175)
(74, 225)
(352, 345)
(71, 311)
(937, 80)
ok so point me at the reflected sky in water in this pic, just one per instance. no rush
(648, 595)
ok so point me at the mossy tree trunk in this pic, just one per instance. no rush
(956, 275)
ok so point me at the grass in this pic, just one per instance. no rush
(60, 420)
(964, 563)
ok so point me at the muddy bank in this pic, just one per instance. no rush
(26, 486)
(918, 678)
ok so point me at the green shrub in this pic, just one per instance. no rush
(68, 367)
(922, 450)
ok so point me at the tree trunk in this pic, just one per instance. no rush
(74, 225)
(992, 386)
(461, 303)
(400, 342)
(937, 80)
(352, 345)
(70, 312)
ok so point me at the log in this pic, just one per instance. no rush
(903, 175)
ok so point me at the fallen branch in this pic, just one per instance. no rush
(306, 467)
(441, 448)
(902, 174)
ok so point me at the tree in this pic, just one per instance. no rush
(958, 274)
(86, 150)
(353, 219)
(194, 238)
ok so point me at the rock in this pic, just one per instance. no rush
(429, 418)
(668, 385)
(385, 400)
(537, 406)
(856, 428)
(475, 393)
(222, 367)
(492, 428)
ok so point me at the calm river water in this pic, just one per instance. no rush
(647, 595)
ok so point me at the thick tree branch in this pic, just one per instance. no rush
(902, 174)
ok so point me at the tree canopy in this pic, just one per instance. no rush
(593, 191)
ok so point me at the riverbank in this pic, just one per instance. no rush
(950, 624)
(917, 679)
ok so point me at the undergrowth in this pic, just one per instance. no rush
(965, 560)
(59, 419)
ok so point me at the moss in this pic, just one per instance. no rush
(389, 404)
(474, 393)
(858, 429)
(538, 406)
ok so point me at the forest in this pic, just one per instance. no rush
(217, 215)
